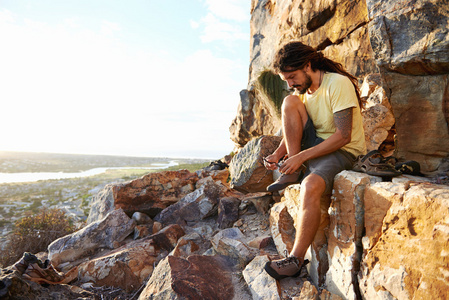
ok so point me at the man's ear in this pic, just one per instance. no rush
(309, 66)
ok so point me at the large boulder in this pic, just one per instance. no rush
(197, 277)
(248, 173)
(149, 194)
(105, 233)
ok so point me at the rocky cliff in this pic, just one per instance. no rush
(404, 43)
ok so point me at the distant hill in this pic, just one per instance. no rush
(12, 162)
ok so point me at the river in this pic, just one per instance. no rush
(36, 176)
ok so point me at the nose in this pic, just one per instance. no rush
(290, 83)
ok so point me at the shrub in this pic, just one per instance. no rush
(35, 232)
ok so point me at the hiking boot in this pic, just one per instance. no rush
(283, 181)
(24, 262)
(40, 275)
(286, 267)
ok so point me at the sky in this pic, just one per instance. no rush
(135, 77)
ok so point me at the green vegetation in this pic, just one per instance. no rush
(190, 167)
(273, 87)
(34, 233)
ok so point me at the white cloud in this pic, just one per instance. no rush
(225, 22)
(6, 16)
(109, 28)
(194, 24)
(236, 10)
(216, 30)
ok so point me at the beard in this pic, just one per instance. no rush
(302, 89)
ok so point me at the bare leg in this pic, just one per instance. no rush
(312, 188)
(294, 118)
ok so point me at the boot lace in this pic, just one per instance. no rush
(288, 260)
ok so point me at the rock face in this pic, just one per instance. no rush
(406, 43)
(421, 125)
(416, 225)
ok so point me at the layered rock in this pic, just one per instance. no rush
(345, 232)
(409, 259)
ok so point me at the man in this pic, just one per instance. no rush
(322, 135)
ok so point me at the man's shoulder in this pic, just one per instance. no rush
(338, 78)
(339, 82)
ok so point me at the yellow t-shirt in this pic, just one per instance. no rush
(335, 93)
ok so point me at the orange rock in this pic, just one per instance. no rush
(410, 260)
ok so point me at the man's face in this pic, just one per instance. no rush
(298, 80)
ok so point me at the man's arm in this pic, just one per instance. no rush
(341, 137)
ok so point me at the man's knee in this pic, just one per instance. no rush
(293, 107)
(313, 187)
(291, 102)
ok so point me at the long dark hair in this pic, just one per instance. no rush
(295, 55)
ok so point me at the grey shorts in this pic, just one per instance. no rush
(326, 166)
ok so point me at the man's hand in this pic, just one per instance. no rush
(292, 164)
(271, 162)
